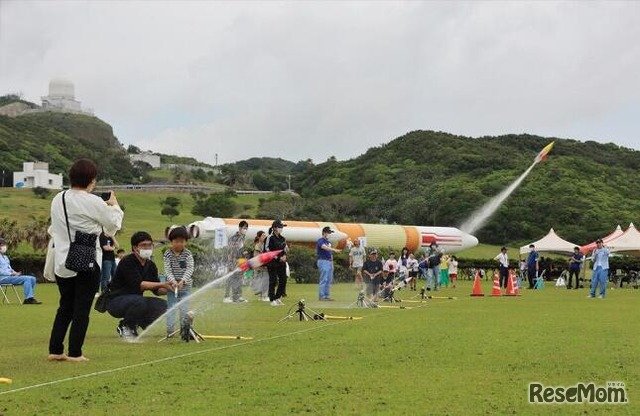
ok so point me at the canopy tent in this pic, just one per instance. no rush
(627, 243)
(588, 248)
(550, 243)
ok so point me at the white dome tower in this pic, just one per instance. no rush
(61, 97)
(61, 88)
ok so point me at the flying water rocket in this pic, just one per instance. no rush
(257, 261)
(543, 153)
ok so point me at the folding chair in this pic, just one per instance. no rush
(4, 287)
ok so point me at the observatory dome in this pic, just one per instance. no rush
(61, 88)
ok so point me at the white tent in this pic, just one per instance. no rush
(627, 243)
(588, 248)
(550, 243)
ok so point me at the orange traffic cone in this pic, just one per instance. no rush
(477, 287)
(512, 285)
(512, 277)
(496, 285)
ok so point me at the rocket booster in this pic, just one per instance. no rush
(544, 152)
(257, 261)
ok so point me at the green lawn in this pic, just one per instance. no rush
(470, 356)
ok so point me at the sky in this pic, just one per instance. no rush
(312, 80)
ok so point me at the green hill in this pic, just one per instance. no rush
(61, 138)
(583, 190)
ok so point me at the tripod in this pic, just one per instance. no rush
(187, 332)
(303, 315)
(363, 302)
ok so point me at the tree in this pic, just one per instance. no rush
(42, 193)
(36, 232)
(10, 232)
(170, 207)
(213, 205)
(170, 212)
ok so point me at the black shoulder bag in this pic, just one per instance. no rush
(82, 250)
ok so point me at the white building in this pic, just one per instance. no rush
(147, 157)
(62, 98)
(36, 174)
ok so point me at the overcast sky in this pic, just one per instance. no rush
(319, 79)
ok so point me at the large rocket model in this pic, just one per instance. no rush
(307, 233)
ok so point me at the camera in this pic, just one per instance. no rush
(104, 195)
(301, 304)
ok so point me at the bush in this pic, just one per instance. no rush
(29, 264)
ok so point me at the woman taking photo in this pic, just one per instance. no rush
(89, 214)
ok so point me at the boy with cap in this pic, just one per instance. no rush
(325, 263)
(12, 277)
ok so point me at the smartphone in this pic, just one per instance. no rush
(104, 195)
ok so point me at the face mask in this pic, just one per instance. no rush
(145, 254)
(3, 249)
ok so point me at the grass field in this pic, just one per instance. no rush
(470, 356)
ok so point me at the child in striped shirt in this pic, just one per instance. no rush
(178, 267)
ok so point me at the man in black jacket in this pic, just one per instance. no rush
(136, 273)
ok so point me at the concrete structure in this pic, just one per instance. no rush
(147, 157)
(62, 98)
(36, 174)
(171, 166)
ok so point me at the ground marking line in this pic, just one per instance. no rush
(160, 360)
(188, 354)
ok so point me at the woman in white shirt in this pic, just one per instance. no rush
(90, 214)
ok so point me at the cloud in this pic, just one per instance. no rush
(312, 80)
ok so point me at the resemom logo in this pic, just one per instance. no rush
(614, 392)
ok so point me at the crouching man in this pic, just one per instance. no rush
(136, 273)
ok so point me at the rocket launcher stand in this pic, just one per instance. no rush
(303, 315)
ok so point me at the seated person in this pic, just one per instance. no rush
(136, 273)
(12, 277)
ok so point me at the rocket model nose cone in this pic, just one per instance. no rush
(544, 152)
(468, 241)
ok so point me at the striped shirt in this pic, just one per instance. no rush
(179, 266)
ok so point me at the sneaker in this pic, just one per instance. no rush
(280, 302)
(227, 300)
(600, 297)
(276, 302)
(266, 299)
(31, 301)
(127, 333)
(590, 297)
(240, 300)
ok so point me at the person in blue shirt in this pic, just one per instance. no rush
(10, 276)
(325, 263)
(533, 265)
(575, 263)
(600, 258)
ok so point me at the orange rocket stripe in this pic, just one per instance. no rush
(413, 238)
(353, 231)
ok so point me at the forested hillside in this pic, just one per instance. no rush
(583, 190)
(59, 139)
